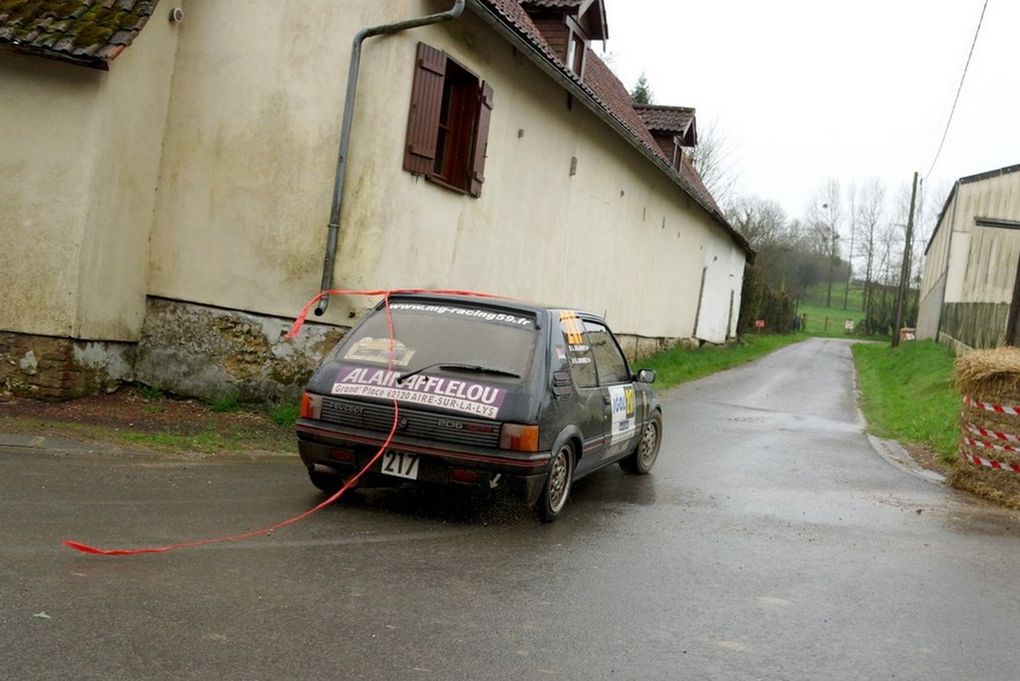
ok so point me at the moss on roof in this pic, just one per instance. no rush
(83, 31)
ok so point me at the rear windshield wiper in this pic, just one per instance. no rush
(447, 366)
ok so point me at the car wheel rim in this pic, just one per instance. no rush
(559, 480)
(649, 438)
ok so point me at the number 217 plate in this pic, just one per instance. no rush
(400, 464)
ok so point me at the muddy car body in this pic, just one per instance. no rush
(489, 392)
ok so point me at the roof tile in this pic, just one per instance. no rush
(73, 30)
(674, 119)
(607, 90)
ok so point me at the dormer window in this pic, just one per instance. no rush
(576, 47)
(569, 26)
(673, 127)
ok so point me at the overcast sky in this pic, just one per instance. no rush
(803, 90)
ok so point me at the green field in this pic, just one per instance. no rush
(829, 321)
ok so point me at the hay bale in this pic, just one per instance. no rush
(990, 373)
(990, 376)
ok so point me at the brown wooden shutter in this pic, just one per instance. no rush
(423, 118)
(481, 140)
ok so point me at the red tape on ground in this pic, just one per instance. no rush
(295, 329)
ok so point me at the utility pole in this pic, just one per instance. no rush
(905, 269)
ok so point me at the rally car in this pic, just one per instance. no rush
(483, 391)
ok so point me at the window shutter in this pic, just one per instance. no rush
(423, 118)
(481, 140)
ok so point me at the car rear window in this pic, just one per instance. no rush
(427, 334)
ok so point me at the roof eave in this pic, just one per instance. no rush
(552, 69)
(90, 62)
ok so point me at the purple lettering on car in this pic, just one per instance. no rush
(464, 396)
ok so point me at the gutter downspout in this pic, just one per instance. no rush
(333, 234)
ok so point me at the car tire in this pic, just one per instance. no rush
(556, 490)
(326, 482)
(641, 460)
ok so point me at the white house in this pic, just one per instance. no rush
(168, 182)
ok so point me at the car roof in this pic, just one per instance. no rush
(487, 301)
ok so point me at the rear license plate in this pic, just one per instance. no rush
(400, 465)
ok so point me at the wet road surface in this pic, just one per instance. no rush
(770, 542)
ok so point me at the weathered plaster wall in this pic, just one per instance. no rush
(45, 171)
(129, 129)
(248, 163)
(247, 170)
(79, 165)
(618, 237)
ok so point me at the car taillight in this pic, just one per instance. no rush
(518, 438)
(311, 406)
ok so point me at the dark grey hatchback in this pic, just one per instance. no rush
(489, 392)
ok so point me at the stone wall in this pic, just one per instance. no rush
(209, 352)
(638, 347)
(50, 368)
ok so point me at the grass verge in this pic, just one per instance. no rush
(680, 364)
(907, 394)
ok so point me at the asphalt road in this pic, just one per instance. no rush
(770, 542)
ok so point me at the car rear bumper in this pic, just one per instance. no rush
(329, 448)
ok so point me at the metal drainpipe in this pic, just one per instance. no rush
(332, 236)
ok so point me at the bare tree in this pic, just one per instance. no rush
(868, 212)
(825, 215)
(711, 158)
(761, 221)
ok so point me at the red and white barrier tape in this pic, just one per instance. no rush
(997, 465)
(987, 406)
(972, 442)
(991, 434)
(294, 330)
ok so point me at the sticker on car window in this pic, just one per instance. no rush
(468, 397)
(379, 351)
(467, 312)
(572, 328)
(623, 406)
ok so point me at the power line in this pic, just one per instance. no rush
(958, 90)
